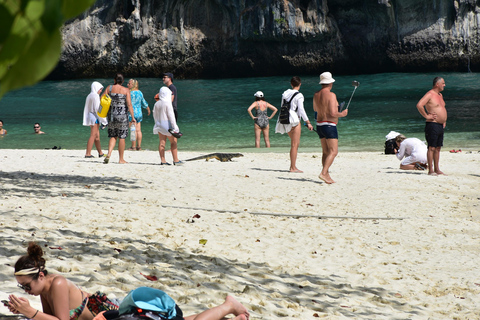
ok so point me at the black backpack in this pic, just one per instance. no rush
(284, 117)
(390, 146)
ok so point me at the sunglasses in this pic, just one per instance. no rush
(25, 287)
(36, 127)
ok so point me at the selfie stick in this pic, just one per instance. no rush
(358, 83)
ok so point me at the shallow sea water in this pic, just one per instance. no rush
(213, 116)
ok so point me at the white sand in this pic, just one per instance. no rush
(114, 222)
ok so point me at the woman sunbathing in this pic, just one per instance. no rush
(63, 300)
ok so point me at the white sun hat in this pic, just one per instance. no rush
(326, 78)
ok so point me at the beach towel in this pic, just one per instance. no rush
(149, 299)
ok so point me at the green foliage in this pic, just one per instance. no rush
(280, 21)
(30, 38)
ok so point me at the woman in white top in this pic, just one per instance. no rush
(164, 123)
(92, 120)
(413, 150)
(294, 129)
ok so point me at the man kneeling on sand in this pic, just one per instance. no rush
(326, 105)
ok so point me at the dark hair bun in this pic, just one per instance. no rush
(34, 251)
(119, 78)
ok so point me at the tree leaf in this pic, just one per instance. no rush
(72, 8)
(151, 278)
(52, 17)
(6, 22)
(16, 43)
(23, 4)
(34, 64)
(34, 10)
(30, 39)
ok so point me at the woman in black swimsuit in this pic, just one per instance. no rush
(261, 118)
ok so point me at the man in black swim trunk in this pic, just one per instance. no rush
(326, 105)
(432, 108)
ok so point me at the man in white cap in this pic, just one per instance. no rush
(326, 105)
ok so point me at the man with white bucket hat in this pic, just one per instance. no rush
(326, 105)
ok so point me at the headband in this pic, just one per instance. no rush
(25, 272)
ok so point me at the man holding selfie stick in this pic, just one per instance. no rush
(326, 105)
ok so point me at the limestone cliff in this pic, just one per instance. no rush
(232, 38)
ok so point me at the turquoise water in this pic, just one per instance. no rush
(213, 116)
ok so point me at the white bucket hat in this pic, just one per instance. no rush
(326, 78)
(258, 94)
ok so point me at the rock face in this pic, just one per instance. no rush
(237, 38)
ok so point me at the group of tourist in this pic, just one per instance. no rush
(36, 129)
(126, 111)
(127, 103)
(417, 155)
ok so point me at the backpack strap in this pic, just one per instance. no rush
(289, 102)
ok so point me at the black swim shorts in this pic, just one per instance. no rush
(327, 131)
(434, 134)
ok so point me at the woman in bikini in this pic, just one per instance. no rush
(261, 119)
(63, 300)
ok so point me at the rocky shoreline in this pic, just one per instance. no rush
(238, 39)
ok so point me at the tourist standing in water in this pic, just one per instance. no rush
(2, 131)
(326, 105)
(138, 102)
(37, 129)
(261, 118)
(432, 108)
(294, 129)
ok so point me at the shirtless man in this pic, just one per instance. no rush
(432, 108)
(326, 105)
(36, 129)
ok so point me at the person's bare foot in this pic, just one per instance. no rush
(122, 162)
(438, 172)
(432, 174)
(326, 178)
(238, 309)
(296, 171)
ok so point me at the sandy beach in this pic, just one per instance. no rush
(381, 243)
